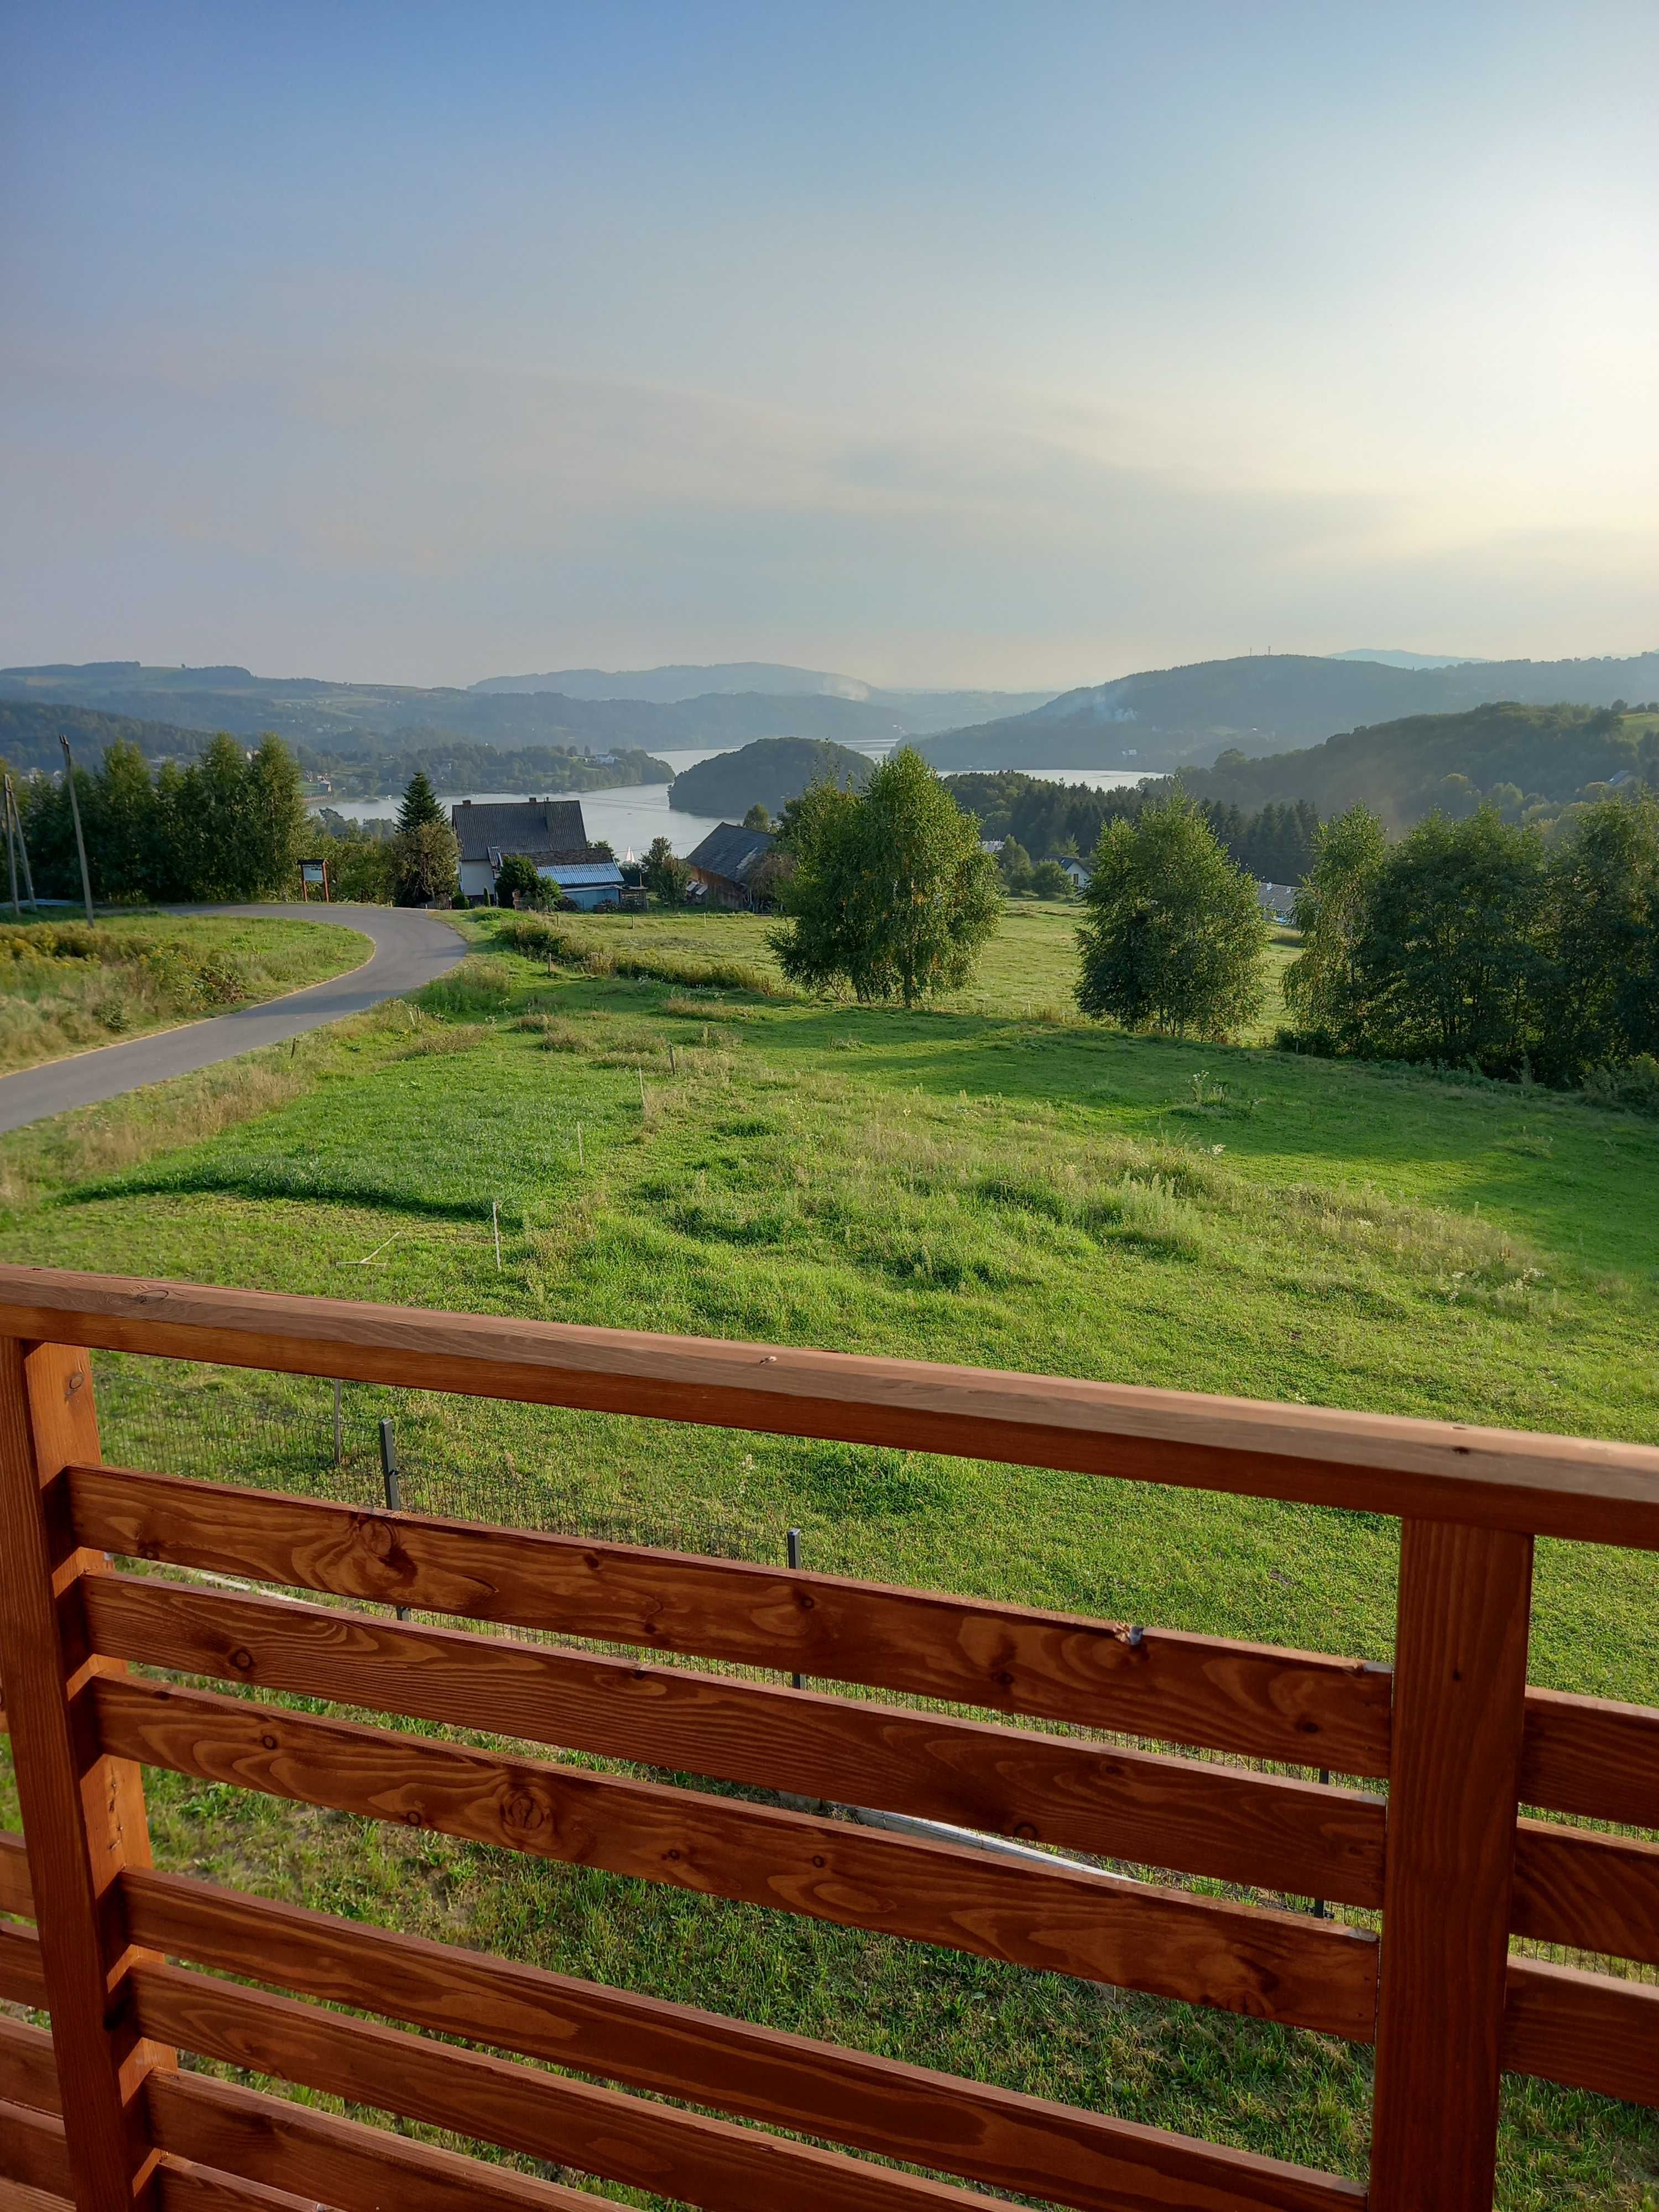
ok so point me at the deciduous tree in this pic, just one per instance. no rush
(892, 894)
(1174, 937)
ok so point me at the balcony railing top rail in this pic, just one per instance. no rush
(129, 1960)
(1598, 1492)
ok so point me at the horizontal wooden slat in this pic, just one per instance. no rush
(632, 2140)
(330, 2162)
(22, 1978)
(17, 1893)
(19, 2197)
(182, 2187)
(33, 2150)
(1199, 1819)
(1273, 1965)
(906, 2112)
(1599, 1491)
(1586, 2030)
(1295, 1706)
(28, 2072)
(1591, 1891)
(1591, 1756)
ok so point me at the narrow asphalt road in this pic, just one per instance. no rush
(411, 948)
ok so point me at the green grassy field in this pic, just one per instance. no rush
(66, 988)
(968, 1183)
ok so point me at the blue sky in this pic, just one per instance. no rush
(939, 343)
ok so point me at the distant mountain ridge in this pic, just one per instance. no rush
(683, 681)
(915, 711)
(1162, 718)
(353, 721)
(1392, 657)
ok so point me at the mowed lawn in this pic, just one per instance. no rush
(958, 1184)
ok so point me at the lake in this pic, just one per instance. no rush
(629, 816)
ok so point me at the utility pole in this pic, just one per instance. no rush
(16, 813)
(11, 858)
(79, 841)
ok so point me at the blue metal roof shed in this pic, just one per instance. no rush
(588, 883)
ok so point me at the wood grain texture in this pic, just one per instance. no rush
(910, 2113)
(1460, 1683)
(1300, 1707)
(83, 1810)
(1591, 1756)
(340, 2163)
(15, 2196)
(1276, 1966)
(22, 1978)
(1587, 2031)
(1441, 1470)
(28, 2071)
(16, 1893)
(636, 2140)
(1591, 1891)
(1199, 1819)
(34, 2150)
(182, 2187)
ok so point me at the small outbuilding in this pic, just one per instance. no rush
(727, 866)
(589, 884)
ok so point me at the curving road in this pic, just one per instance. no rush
(410, 949)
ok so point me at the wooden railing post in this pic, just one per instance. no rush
(1460, 1686)
(83, 1813)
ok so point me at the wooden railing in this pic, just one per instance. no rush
(131, 1962)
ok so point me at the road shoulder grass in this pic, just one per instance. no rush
(67, 989)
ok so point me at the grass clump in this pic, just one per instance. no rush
(593, 955)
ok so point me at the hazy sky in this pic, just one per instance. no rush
(1015, 344)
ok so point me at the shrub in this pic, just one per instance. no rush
(1634, 1085)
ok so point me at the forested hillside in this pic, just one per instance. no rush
(769, 773)
(1522, 758)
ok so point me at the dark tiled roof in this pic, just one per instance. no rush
(543, 829)
(732, 852)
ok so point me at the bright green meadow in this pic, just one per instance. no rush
(991, 1181)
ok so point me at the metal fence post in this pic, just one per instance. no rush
(792, 1543)
(394, 1502)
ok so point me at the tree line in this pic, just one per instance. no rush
(229, 825)
(1470, 943)
(1057, 821)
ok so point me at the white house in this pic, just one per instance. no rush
(549, 832)
(1081, 874)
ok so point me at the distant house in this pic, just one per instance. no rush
(1277, 899)
(549, 832)
(726, 865)
(1079, 872)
